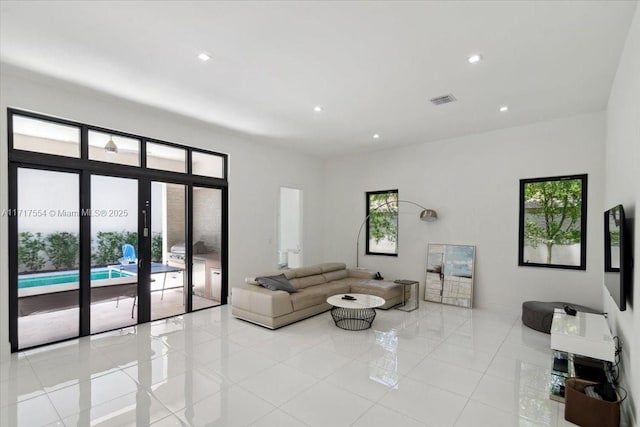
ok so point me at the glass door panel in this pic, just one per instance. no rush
(207, 244)
(48, 253)
(114, 252)
(290, 228)
(168, 237)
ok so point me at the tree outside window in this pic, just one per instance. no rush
(553, 213)
(382, 222)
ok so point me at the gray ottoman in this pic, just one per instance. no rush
(538, 315)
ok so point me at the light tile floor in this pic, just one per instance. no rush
(105, 315)
(436, 366)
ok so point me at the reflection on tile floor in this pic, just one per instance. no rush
(436, 366)
(105, 316)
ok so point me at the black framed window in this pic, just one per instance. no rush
(553, 222)
(101, 229)
(382, 222)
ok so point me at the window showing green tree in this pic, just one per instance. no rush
(553, 214)
(382, 222)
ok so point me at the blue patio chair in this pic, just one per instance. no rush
(128, 257)
(128, 254)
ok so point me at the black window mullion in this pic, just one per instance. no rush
(13, 256)
(189, 248)
(143, 153)
(189, 238)
(144, 250)
(224, 257)
(84, 143)
(85, 254)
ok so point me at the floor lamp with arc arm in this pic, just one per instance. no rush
(428, 215)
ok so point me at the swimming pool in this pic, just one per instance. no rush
(64, 277)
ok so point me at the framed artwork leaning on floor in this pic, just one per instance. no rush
(450, 274)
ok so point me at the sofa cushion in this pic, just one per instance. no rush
(276, 283)
(289, 274)
(335, 275)
(335, 288)
(380, 288)
(350, 281)
(261, 301)
(360, 274)
(305, 282)
(308, 298)
(308, 271)
(332, 266)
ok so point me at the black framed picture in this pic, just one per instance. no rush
(553, 222)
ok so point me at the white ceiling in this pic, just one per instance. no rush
(373, 66)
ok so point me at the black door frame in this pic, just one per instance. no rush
(85, 168)
(13, 250)
(144, 266)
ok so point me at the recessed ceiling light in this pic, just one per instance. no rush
(474, 58)
(504, 108)
(376, 136)
(204, 57)
(318, 108)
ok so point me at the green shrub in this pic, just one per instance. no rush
(108, 246)
(62, 249)
(29, 247)
(156, 247)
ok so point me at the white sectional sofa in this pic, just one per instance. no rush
(313, 284)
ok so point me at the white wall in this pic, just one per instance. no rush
(256, 172)
(473, 183)
(622, 185)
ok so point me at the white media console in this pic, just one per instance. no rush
(586, 334)
(582, 344)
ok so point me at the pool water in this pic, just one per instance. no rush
(34, 280)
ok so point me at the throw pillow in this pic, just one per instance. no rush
(276, 283)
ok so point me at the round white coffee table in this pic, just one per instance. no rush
(356, 314)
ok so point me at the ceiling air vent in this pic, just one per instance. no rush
(443, 99)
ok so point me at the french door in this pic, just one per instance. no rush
(116, 252)
(47, 232)
(109, 252)
(108, 229)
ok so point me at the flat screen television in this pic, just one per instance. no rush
(617, 267)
